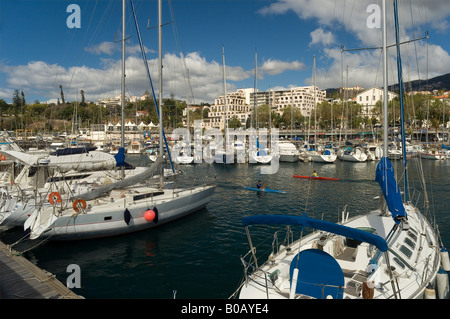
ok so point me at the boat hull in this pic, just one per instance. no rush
(111, 221)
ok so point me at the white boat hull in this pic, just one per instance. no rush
(290, 158)
(322, 158)
(108, 220)
(433, 156)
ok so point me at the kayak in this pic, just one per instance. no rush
(317, 177)
(266, 190)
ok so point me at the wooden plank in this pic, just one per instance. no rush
(20, 278)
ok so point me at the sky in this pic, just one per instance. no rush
(42, 47)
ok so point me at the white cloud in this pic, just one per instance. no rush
(103, 48)
(348, 23)
(319, 36)
(274, 66)
(205, 77)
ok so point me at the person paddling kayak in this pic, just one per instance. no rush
(259, 185)
(314, 174)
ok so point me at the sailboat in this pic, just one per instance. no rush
(224, 155)
(390, 253)
(316, 155)
(126, 206)
(352, 154)
(288, 151)
(258, 153)
(433, 154)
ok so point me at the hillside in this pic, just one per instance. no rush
(441, 82)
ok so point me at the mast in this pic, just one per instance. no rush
(122, 139)
(255, 113)
(385, 85)
(315, 104)
(161, 147)
(225, 104)
(402, 107)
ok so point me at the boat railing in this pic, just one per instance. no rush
(250, 267)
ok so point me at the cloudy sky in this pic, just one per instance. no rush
(42, 47)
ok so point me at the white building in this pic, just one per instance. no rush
(303, 98)
(369, 98)
(235, 105)
(242, 103)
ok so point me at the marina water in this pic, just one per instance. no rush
(198, 256)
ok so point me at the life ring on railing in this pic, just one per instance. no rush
(54, 197)
(3, 157)
(76, 204)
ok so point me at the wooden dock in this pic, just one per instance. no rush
(21, 279)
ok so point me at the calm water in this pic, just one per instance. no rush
(198, 256)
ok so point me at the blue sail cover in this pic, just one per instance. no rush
(306, 221)
(319, 274)
(384, 175)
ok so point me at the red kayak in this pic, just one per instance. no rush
(317, 177)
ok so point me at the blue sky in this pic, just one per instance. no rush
(38, 51)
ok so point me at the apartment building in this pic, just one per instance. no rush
(369, 98)
(303, 98)
(242, 103)
(236, 104)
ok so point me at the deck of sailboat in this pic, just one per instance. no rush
(412, 258)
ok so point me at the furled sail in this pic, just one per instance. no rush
(384, 175)
(126, 182)
(79, 162)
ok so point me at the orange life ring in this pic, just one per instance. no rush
(54, 195)
(3, 157)
(77, 202)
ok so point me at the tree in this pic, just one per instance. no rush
(234, 122)
(62, 94)
(3, 106)
(83, 103)
(22, 99)
(17, 101)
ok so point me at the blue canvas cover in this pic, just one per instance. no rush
(384, 175)
(319, 274)
(306, 221)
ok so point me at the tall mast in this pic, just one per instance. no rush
(161, 147)
(385, 84)
(225, 104)
(315, 103)
(402, 106)
(122, 140)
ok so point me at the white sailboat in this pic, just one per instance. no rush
(26, 190)
(350, 154)
(316, 155)
(224, 154)
(390, 253)
(287, 151)
(433, 154)
(323, 156)
(261, 154)
(126, 206)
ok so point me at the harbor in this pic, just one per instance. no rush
(198, 256)
(268, 195)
